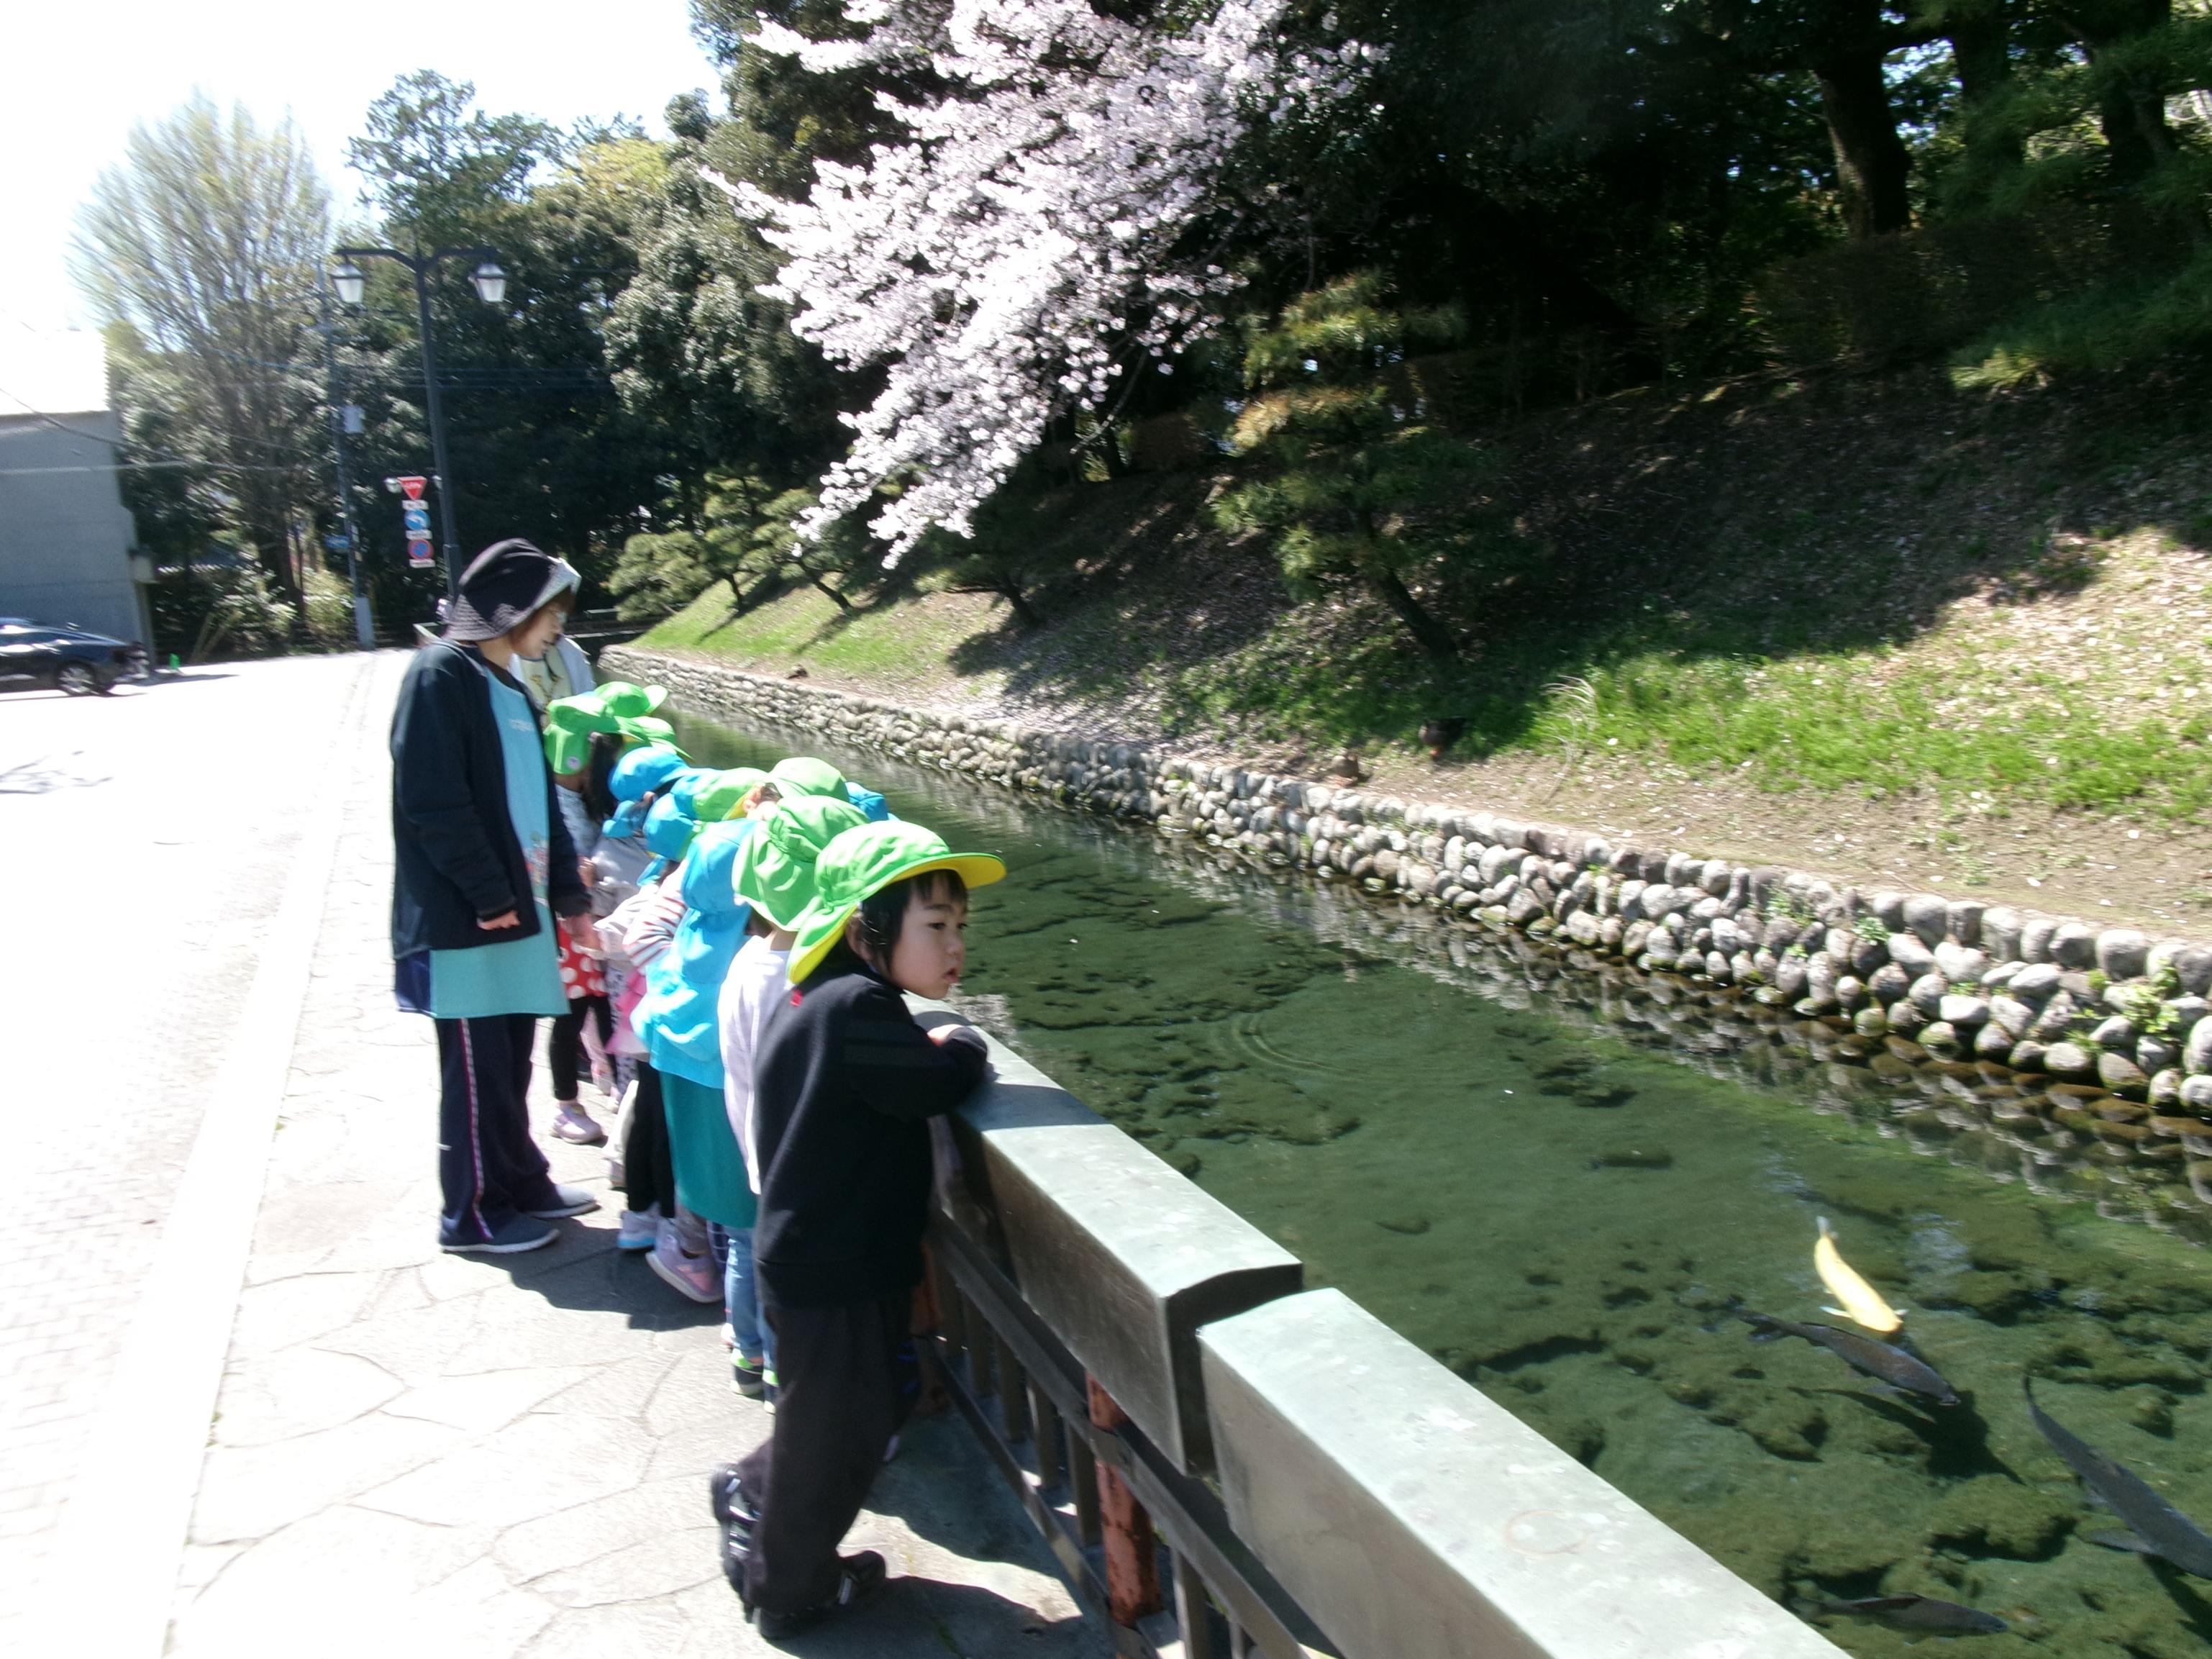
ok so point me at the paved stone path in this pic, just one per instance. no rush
(146, 836)
(422, 1454)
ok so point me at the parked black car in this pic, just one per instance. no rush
(67, 659)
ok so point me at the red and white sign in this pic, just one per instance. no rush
(412, 488)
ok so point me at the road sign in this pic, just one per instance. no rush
(416, 519)
(412, 488)
(419, 556)
(339, 544)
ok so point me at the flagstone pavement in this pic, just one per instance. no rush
(417, 1455)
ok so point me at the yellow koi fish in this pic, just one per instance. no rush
(1862, 1302)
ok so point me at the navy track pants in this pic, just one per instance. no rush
(489, 1169)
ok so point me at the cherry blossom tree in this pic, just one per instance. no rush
(1025, 247)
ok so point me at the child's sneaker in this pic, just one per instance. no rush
(574, 1125)
(639, 1230)
(695, 1276)
(748, 1377)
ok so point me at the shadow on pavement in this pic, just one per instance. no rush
(584, 1272)
(913, 1615)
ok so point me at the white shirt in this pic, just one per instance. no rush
(757, 984)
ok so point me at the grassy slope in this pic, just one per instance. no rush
(1922, 614)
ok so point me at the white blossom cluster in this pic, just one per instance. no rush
(1016, 251)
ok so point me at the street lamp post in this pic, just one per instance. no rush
(363, 629)
(490, 284)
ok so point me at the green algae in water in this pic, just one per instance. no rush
(1569, 1217)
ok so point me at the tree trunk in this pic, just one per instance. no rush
(2131, 110)
(839, 599)
(1871, 160)
(1981, 53)
(1006, 588)
(1432, 636)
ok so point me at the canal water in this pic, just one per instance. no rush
(1569, 1210)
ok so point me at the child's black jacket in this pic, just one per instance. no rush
(456, 860)
(844, 1085)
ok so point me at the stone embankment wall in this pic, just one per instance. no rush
(2113, 1028)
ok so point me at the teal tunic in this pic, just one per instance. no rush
(519, 976)
(710, 1170)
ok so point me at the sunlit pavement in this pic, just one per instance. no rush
(412, 1452)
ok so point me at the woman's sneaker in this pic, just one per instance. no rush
(566, 1201)
(575, 1126)
(514, 1236)
(695, 1276)
(863, 1574)
(747, 1376)
(639, 1230)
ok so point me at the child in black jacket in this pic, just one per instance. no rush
(845, 1082)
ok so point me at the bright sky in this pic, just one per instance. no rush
(80, 76)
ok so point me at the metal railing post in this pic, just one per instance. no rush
(1132, 1571)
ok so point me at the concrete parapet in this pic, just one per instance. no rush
(1121, 1256)
(1415, 1519)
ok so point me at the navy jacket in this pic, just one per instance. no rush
(844, 1085)
(456, 857)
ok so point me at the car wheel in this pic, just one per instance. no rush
(76, 679)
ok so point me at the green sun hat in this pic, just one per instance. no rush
(775, 870)
(616, 707)
(802, 774)
(864, 860)
(721, 796)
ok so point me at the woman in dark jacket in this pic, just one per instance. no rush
(482, 865)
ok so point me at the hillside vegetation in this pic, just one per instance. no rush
(1869, 612)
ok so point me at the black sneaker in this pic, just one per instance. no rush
(726, 1501)
(863, 1574)
(748, 1378)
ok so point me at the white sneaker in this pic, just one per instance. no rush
(639, 1230)
(574, 1125)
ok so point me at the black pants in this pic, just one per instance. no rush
(564, 1043)
(649, 1166)
(845, 1380)
(488, 1167)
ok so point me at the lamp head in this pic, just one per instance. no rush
(347, 279)
(490, 282)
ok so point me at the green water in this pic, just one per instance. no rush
(1560, 1189)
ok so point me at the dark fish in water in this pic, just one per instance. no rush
(1915, 1613)
(2155, 1526)
(1879, 1360)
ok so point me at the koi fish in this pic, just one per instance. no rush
(1893, 1367)
(1915, 1612)
(2155, 1526)
(1862, 1303)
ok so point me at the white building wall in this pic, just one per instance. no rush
(65, 536)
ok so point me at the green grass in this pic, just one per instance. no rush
(903, 641)
(1869, 722)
